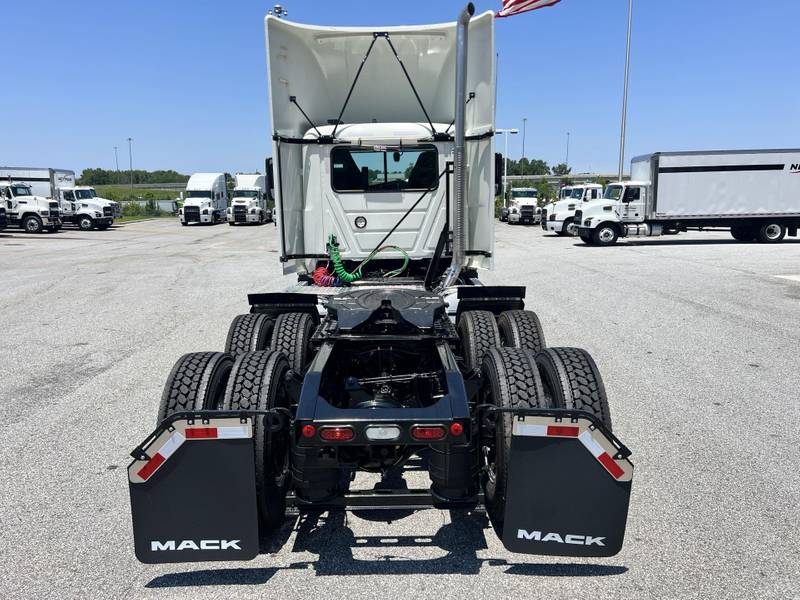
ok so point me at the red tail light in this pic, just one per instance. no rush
(428, 432)
(336, 434)
(456, 429)
(308, 431)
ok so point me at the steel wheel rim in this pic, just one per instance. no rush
(772, 231)
(606, 234)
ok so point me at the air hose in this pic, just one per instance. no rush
(323, 278)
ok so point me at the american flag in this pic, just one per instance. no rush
(514, 7)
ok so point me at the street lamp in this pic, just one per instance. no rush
(507, 132)
(524, 122)
(625, 92)
(116, 159)
(566, 162)
(130, 163)
(278, 11)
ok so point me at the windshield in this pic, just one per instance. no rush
(21, 190)
(565, 193)
(356, 170)
(198, 194)
(524, 193)
(613, 192)
(245, 194)
(85, 194)
(577, 193)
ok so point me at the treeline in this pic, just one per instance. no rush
(525, 166)
(109, 177)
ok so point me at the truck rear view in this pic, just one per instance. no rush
(388, 354)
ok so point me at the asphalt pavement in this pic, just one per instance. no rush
(696, 337)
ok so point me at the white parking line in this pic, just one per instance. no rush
(789, 277)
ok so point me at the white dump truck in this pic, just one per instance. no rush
(28, 211)
(81, 206)
(753, 193)
(388, 356)
(250, 200)
(206, 200)
(523, 206)
(559, 217)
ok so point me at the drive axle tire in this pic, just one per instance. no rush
(587, 239)
(258, 382)
(571, 380)
(249, 333)
(570, 228)
(771, 233)
(292, 336)
(510, 379)
(478, 332)
(196, 382)
(86, 223)
(521, 329)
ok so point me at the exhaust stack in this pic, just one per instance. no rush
(459, 166)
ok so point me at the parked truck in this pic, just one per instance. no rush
(81, 206)
(32, 213)
(206, 200)
(388, 349)
(755, 194)
(523, 206)
(559, 217)
(250, 200)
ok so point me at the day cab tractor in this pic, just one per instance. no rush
(388, 352)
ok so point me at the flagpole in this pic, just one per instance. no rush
(625, 93)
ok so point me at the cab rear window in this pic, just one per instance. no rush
(392, 170)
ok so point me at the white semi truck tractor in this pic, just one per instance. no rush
(206, 199)
(27, 211)
(559, 217)
(250, 200)
(755, 194)
(523, 206)
(388, 358)
(81, 206)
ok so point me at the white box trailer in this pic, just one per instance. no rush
(754, 193)
(43, 181)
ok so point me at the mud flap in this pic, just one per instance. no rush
(193, 493)
(568, 488)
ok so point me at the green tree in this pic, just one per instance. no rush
(561, 169)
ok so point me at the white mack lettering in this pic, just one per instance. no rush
(553, 537)
(574, 539)
(594, 540)
(230, 544)
(209, 544)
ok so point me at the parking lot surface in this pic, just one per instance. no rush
(696, 336)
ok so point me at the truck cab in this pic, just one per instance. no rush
(32, 213)
(561, 214)
(623, 205)
(523, 206)
(206, 199)
(250, 200)
(81, 206)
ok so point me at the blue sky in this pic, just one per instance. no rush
(187, 80)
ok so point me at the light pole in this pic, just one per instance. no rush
(625, 92)
(566, 161)
(524, 122)
(278, 11)
(507, 132)
(116, 159)
(130, 163)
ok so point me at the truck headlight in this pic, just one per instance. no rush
(98, 214)
(553, 217)
(252, 211)
(513, 211)
(205, 211)
(588, 221)
(44, 212)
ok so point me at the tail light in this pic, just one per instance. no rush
(428, 432)
(308, 431)
(336, 434)
(456, 429)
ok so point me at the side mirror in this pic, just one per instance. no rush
(498, 174)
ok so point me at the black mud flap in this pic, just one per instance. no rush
(193, 493)
(568, 489)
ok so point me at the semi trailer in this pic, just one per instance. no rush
(755, 194)
(250, 200)
(206, 200)
(388, 354)
(559, 217)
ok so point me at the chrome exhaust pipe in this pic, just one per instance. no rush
(459, 167)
